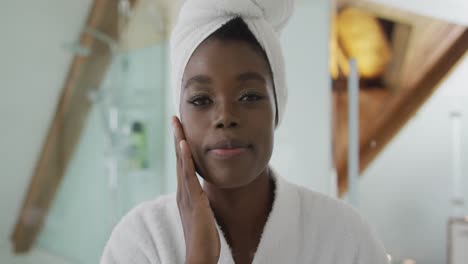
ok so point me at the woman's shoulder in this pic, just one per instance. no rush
(149, 231)
(161, 203)
(340, 224)
(161, 210)
(149, 219)
(327, 209)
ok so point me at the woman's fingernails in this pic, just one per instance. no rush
(180, 145)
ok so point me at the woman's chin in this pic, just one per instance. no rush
(229, 180)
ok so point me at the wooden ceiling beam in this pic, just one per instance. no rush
(400, 39)
(424, 51)
(402, 106)
(371, 101)
(85, 74)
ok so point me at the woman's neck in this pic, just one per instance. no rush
(242, 212)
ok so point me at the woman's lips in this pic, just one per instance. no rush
(228, 148)
(228, 152)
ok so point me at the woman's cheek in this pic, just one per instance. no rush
(194, 136)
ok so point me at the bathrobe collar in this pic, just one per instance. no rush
(281, 229)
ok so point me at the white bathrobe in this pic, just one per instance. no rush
(303, 227)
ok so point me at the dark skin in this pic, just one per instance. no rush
(226, 135)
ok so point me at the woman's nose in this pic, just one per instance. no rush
(226, 116)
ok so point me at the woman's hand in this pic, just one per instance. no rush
(202, 242)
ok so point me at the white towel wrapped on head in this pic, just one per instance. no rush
(198, 19)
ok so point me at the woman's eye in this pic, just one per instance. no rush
(200, 100)
(250, 97)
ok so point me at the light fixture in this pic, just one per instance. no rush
(358, 34)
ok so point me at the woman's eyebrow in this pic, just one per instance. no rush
(201, 79)
(247, 76)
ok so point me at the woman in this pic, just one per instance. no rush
(230, 94)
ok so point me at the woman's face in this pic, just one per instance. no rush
(227, 111)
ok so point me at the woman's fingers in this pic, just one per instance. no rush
(193, 186)
(188, 185)
(178, 136)
(198, 223)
